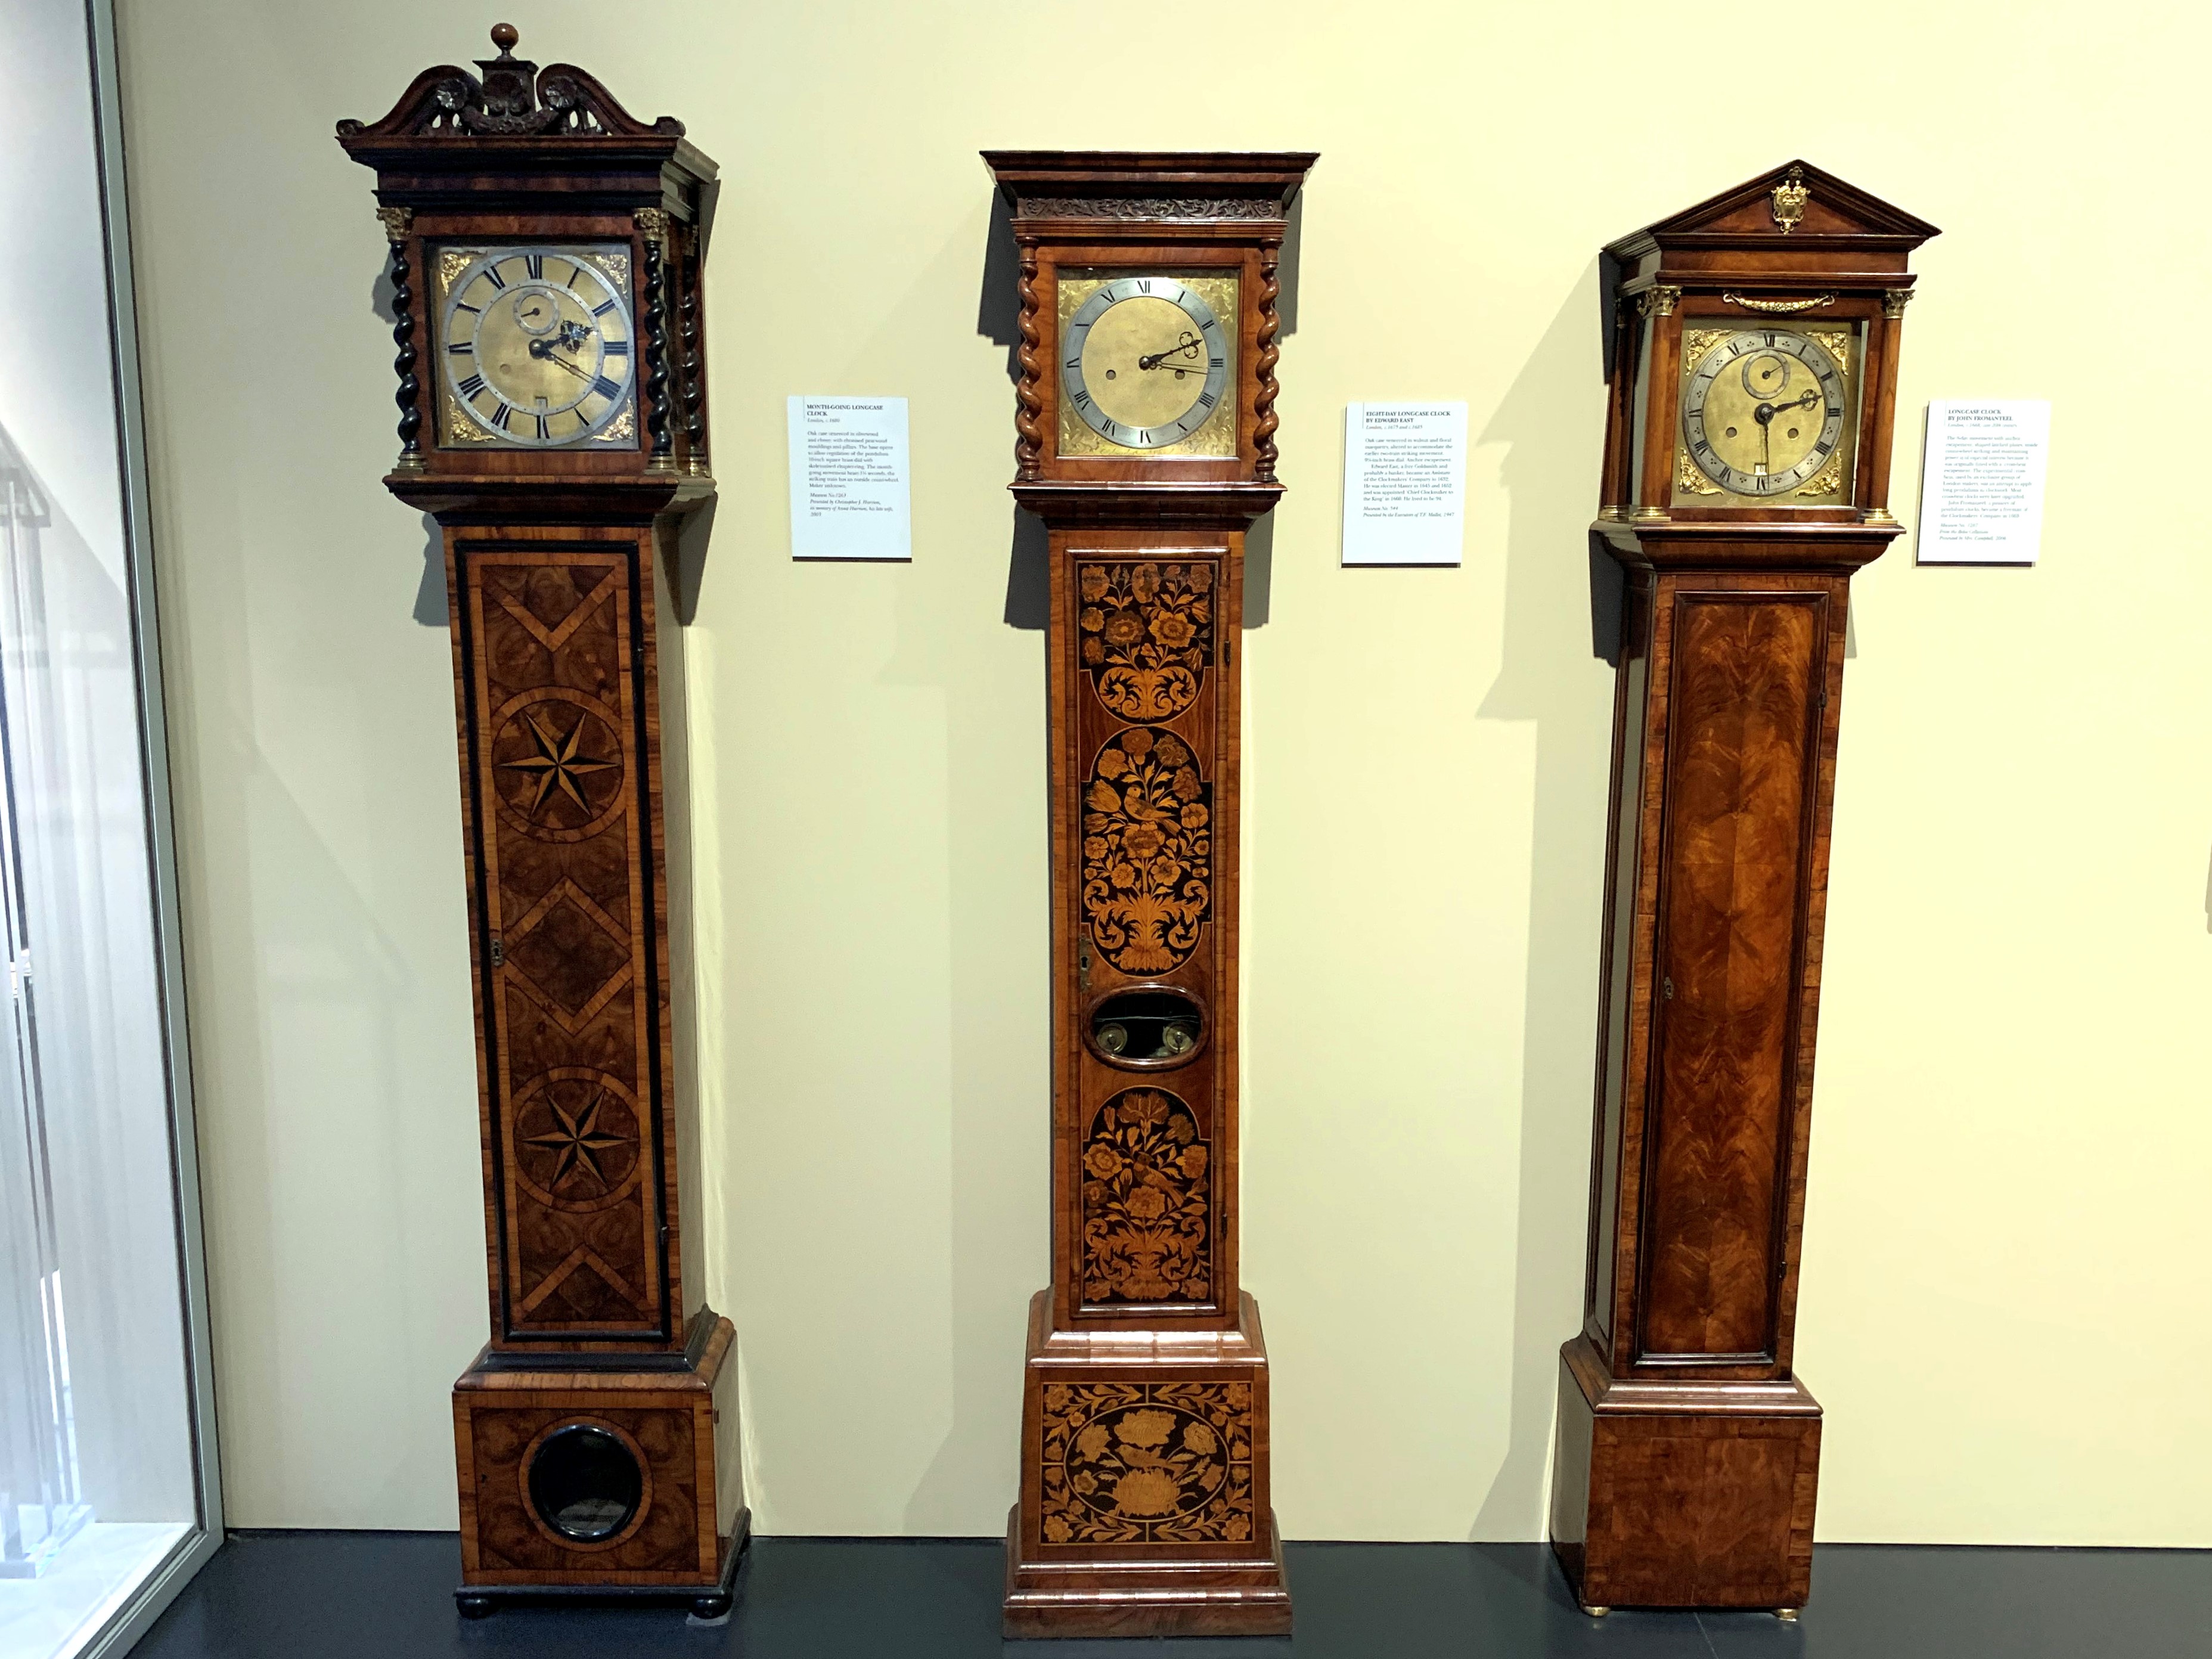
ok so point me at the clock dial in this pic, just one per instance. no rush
(1146, 363)
(536, 347)
(1764, 412)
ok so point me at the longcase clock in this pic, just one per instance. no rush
(1753, 355)
(1146, 421)
(545, 252)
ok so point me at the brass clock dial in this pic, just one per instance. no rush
(535, 350)
(1764, 411)
(1146, 364)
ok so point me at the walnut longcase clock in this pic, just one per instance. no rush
(1753, 386)
(1145, 423)
(545, 252)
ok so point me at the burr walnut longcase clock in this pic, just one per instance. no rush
(545, 250)
(1753, 357)
(1147, 445)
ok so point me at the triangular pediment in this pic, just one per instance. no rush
(1795, 202)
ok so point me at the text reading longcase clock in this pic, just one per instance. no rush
(1753, 380)
(1145, 442)
(545, 250)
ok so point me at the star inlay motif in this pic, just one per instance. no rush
(578, 1141)
(557, 764)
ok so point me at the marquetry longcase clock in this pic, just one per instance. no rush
(1753, 350)
(1148, 287)
(545, 252)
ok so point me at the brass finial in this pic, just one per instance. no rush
(504, 35)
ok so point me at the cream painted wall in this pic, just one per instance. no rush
(2006, 1246)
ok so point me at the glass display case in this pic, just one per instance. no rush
(108, 1498)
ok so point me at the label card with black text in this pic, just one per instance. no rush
(1981, 482)
(850, 478)
(1405, 482)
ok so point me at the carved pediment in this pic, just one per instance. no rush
(1795, 204)
(510, 97)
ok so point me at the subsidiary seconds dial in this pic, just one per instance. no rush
(1144, 362)
(1763, 410)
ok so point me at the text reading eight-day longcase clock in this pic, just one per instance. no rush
(546, 257)
(1148, 287)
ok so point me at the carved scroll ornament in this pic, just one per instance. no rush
(513, 98)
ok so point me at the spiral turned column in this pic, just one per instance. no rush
(399, 224)
(694, 380)
(1029, 425)
(1264, 421)
(654, 221)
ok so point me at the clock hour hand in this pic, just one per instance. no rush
(1159, 357)
(544, 350)
(1765, 412)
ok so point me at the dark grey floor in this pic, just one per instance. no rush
(349, 1596)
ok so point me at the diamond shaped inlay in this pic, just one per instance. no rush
(569, 956)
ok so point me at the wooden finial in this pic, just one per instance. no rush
(504, 35)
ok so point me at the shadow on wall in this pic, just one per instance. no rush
(998, 319)
(1551, 476)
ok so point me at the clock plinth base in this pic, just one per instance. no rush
(648, 1438)
(1099, 1597)
(1683, 1493)
(1144, 1506)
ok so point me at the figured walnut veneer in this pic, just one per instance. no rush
(569, 718)
(1688, 1451)
(1143, 1507)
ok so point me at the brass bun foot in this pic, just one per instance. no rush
(1591, 1611)
(1787, 1615)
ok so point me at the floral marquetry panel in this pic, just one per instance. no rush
(1147, 1202)
(1151, 858)
(1147, 851)
(1147, 631)
(562, 841)
(1147, 1464)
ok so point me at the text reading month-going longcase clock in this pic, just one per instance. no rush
(545, 254)
(1145, 444)
(1753, 344)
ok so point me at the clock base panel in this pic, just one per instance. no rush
(1682, 1493)
(1112, 1598)
(1145, 1500)
(642, 1464)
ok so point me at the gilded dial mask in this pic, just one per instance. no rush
(536, 348)
(1765, 410)
(1146, 363)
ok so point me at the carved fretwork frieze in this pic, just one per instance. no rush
(1172, 208)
